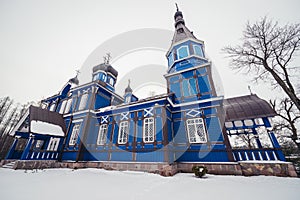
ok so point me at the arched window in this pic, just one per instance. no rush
(183, 52)
(68, 106)
(196, 130)
(102, 134)
(148, 134)
(198, 50)
(110, 81)
(62, 107)
(83, 101)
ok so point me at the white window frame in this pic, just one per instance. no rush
(74, 135)
(68, 106)
(195, 124)
(188, 52)
(83, 101)
(148, 130)
(62, 106)
(101, 139)
(53, 144)
(123, 132)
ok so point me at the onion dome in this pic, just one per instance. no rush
(74, 80)
(107, 68)
(128, 89)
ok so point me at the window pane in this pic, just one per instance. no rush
(198, 50)
(68, 106)
(148, 129)
(185, 87)
(192, 84)
(102, 134)
(196, 130)
(74, 135)
(182, 52)
(52, 107)
(83, 101)
(62, 107)
(123, 132)
(170, 58)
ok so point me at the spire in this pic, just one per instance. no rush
(181, 31)
(128, 89)
(178, 17)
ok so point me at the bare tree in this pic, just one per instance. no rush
(290, 116)
(268, 51)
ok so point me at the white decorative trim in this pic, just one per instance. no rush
(77, 120)
(148, 112)
(193, 110)
(124, 116)
(195, 102)
(104, 119)
(185, 40)
(189, 69)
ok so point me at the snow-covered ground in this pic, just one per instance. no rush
(97, 184)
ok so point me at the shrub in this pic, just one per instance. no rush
(199, 171)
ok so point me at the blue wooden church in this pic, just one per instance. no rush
(190, 123)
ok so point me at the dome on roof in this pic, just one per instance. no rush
(128, 89)
(107, 68)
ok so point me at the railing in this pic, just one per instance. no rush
(33, 155)
(255, 155)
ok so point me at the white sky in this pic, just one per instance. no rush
(42, 43)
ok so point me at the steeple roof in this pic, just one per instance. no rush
(128, 89)
(181, 31)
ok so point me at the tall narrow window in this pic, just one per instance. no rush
(74, 135)
(62, 107)
(68, 106)
(128, 99)
(148, 130)
(83, 101)
(196, 130)
(123, 132)
(170, 58)
(183, 52)
(102, 134)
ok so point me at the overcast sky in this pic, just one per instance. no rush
(42, 43)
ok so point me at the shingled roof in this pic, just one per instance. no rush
(247, 107)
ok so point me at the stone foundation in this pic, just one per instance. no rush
(285, 169)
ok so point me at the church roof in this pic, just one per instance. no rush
(247, 107)
(128, 89)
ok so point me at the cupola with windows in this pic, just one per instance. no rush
(128, 96)
(105, 73)
(186, 50)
